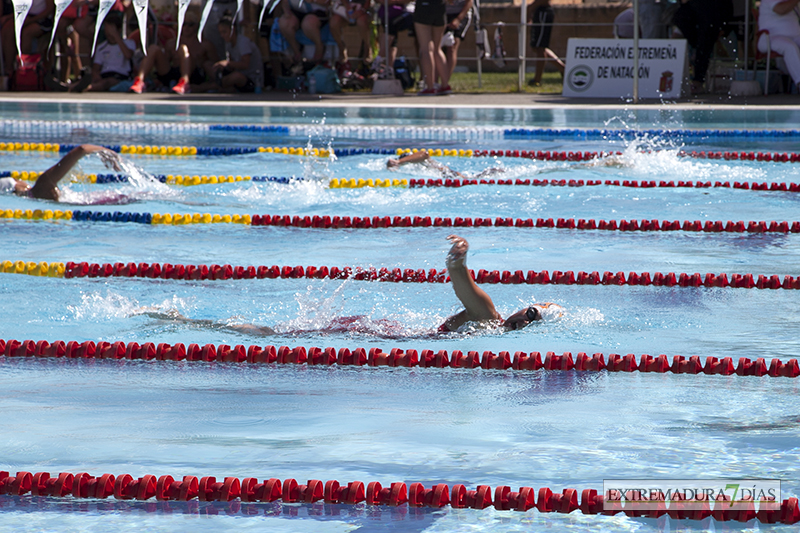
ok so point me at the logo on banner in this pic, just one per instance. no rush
(580, 78)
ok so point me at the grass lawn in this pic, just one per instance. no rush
(503, 82)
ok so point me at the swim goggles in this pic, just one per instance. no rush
(533, 314)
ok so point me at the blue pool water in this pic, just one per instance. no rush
(534, 429)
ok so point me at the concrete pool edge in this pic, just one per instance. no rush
(475, 101)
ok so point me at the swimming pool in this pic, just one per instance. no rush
(541, 429)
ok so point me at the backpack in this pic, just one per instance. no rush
(323, 80)
(403, 72)
(28, 75)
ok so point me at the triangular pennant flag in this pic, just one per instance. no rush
(61, 6)
(269, 6)
(21, 8)
(105, 7)
(204, 19)
(183, 7)
(235, 15)
(140, 7)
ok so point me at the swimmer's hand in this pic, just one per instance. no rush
(110, 159)
(458, 252)
(391, 163)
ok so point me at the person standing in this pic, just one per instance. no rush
(542, 17)
(459, 18)
(429, 22)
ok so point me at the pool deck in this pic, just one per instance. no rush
(471, 100)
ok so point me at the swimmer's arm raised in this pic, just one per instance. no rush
(416, 157)
(46, 183)
(478, 305)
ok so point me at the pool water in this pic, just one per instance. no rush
(544, 428)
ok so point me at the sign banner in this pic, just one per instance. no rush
(598, 68)
(61, 6)
(21, 8)
(140, 7)
(204, 19)
(102, 11)
(183, 7)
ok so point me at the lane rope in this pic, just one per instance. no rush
(397, 357)
(395, 275)
(166, 488)
(350, 183)
(16, 126)
(346, 222)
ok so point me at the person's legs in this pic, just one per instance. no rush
(426, 61)
(289, 24)
(364, 25)
(311, 25)
(29, 33)
(233, 81)
(788, 48)
(337, 29)
(451, 57)
(441, 70)
(538, 55)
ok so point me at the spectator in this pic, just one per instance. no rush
(112, 60)
(183, 69)
(779, 18)
(623, 24)
(429, 21)
(541, 21)
(459, 18)
(401, 18)
(353, 13)
(242, 69)
(307, 16)
(650, 25)
(700, 22)
(38, 22)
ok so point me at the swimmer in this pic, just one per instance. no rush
(424, 158)
(46, 185)
(478, 306)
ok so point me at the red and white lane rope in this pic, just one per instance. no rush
(394, 275)
(166, 488)
(398, 357)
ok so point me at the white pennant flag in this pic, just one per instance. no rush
(140, 7)
(235, 15)
(183, 7)
(269, 5)
(105, 7)
(204, 19)
(61, 6)
(21, 8)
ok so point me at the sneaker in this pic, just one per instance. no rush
(444, 90)
(427, 92)
(138, 86)
(181, 87)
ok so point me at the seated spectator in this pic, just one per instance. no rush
(459, 18)
(542, 17)
(352, 13)
(779, 18)
(243, 69)
(112, 60)
(182, 69)
(700, 22)
(401, 18)
(307, 16)
(39, 22)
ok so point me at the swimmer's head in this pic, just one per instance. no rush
(534, 313)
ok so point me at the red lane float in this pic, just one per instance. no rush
(397, 357)
(409, 275)
(337, 222)
(249, 489)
